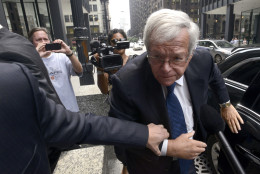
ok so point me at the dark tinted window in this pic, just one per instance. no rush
(256, 106)
(256, 89)
(245, 73)
(251, 98)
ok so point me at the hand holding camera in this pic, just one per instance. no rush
(52, 46)
(58, 46)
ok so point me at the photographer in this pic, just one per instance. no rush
(61, 64)
(114, 36)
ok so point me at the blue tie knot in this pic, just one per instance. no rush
(171, 88)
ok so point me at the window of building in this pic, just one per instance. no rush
(96, 17)
(90, 8)
(90, 17)
(94, 29)
(94, 7)
(70, 30)
(20, 21)
(93, 17)
(236, 25)
(71, 18)
(223, 26)
(67, 18)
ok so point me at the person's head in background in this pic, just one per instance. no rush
(39, 35)
(114, 36)
(170, 38)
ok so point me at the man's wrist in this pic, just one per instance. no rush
(225, 105)
(164, 147)
(69, 55)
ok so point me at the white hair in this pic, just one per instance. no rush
(165, 24)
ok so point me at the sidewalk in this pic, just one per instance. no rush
(86, 89)
(89, 159)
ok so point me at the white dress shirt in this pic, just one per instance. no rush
(182, 93)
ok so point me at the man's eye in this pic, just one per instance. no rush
(178, 59)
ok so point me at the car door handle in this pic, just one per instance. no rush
(246, 153)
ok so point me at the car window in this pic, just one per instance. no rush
(224, 44)
(256, 106)
(210, 44)
(256, 88)
(245, 73)
(201, 43)
(251, 98)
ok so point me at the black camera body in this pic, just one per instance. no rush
(108, 61)
(52, 46)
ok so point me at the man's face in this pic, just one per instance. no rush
(169, 60)
(40, 37)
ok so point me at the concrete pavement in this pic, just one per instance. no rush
(89, 159)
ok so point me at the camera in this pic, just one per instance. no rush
(53, 46)
(108, 61)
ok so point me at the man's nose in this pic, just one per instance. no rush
(166, 66)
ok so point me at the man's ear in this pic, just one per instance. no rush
(189, 58)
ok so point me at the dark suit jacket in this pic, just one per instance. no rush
(16, 48)
(137, 96)
(29, 122)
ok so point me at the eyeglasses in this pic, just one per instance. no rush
(114, 41)
(172, 60)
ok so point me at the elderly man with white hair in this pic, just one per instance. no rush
(167, 85)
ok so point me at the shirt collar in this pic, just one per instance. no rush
(180, 81)
(1, 26)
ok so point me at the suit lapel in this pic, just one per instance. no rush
(195, 87)
(155, 98)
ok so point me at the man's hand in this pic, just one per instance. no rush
(42, 51)
(156, 135)
(64, 47)
(232, 118)
(77, 67)
(184, 147)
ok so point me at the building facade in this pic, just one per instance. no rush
(218, 19)
(98, 18)
(140, 11)
(21, 16)
(231, 18)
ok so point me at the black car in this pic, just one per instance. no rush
(241, 73)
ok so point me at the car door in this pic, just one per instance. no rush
(247, 141)
(238, 77)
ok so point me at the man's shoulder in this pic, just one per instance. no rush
(201, 55)
(11, 70)
(134, 66)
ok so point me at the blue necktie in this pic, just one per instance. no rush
(177, 123)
